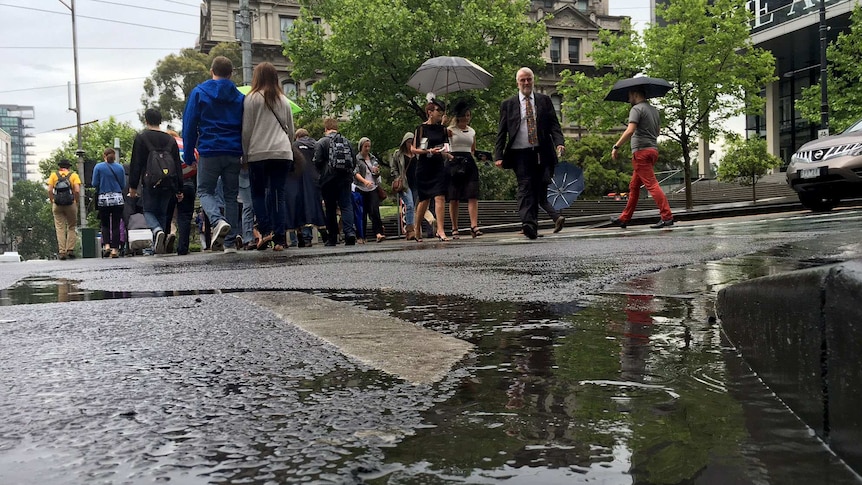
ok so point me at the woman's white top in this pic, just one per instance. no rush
(462, 140)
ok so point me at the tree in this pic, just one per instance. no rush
(704, 50)
(95, 137)
(843, 73)
(176, 75)
(747, 161)
(372, 47)
(29, 222)
(602, 174)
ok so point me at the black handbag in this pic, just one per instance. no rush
(458, 167)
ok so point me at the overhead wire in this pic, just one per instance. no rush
(114, 21)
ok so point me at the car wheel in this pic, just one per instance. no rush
(817, 203)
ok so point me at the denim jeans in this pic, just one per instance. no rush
(209, 170)
(247, 206)
(409, 210)
(156, 203)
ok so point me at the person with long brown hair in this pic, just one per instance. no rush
(267, 129)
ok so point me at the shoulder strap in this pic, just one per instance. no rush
(114, 173)
(280, 123)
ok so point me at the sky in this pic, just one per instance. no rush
(119, 43)
(118, 46)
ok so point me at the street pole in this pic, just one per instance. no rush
(824, 101)
(80, 151)
(245, 40)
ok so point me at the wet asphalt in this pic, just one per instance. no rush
(124, 383)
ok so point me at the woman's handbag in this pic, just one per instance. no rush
(110, 199)
(398, 184)
(381, 192)
(458, 168)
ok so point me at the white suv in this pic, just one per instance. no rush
(829, 169)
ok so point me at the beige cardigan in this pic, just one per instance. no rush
(262, 136)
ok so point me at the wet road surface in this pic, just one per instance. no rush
(595, 359)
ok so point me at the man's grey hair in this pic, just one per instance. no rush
(524, 69)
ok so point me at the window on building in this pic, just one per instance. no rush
(237, 27)
(285, 26)
(581, 5)
(289, 88)
(548, 3)
(574, 51)
(558, 105)
(556, 48)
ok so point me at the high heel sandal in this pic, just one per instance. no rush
(443, 237)
(475, 231)
(264, 241)
(455, 234)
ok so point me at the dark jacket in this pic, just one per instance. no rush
(321, 161)
(212, 120)
(547, 129)
(140, 153)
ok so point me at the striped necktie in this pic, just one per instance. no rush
(532, 139)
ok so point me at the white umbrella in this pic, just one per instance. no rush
(448, 74)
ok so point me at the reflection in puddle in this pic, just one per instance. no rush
(634, 388)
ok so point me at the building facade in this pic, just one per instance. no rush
(5, 184)
(14, 120)
(573, 27)
(790, 30)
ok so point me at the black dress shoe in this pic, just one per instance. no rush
(558, 224)
(530, 231)
(662, 224)
(329, 244)
(350, 240)
(616, 221)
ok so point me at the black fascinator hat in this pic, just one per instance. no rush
(461, 107)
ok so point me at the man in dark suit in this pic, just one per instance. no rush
(529, 140)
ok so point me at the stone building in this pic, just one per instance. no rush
(573, 27)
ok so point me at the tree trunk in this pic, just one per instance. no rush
(686, 158)
(754, 191)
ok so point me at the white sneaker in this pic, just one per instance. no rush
(219, 232)
(229, 250)
(160, 242)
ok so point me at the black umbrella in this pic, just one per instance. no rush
(566, 185)
(654, 87)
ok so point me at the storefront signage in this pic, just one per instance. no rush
(770, 13)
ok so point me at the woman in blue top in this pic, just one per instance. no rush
(108, 179)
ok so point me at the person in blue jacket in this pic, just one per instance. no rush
(212, 123)
(109, 177)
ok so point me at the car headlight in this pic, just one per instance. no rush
(795, 158)
(853, 152)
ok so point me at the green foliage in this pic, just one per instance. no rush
(842, 85)
(704, 50)
(176, 75)
(95, 137)
(669, 155)
(372, 47)
(495, 183)
(602, 174)
(746, 162)
(29, 221)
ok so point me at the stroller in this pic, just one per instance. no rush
(138, 234)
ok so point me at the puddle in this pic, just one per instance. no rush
(42, 289)
(638, 387)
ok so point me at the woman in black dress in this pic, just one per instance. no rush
(431, 148)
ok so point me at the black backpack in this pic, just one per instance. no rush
(63, 190)
(340, 155)
(161, 169)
